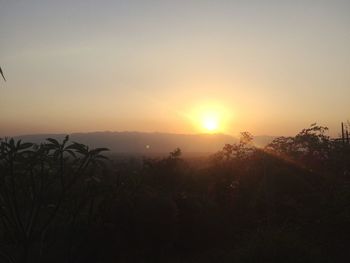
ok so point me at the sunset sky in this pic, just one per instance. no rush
(268, 67)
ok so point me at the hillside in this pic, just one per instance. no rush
(142, 142)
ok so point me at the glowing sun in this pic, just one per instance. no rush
(210, 123)
(210, 117)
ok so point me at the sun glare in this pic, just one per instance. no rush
(210, 117)
(210, 123)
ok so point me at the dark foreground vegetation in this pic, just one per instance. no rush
(289, 202)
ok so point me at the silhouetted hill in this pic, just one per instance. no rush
(140, 142)
(263, 140)
(152, 143)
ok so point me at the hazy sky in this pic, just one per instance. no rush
(269, 67)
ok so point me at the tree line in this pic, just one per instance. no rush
(61, 201)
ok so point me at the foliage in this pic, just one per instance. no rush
(61, 201)
(39, 189)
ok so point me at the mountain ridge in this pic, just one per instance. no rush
(147, 142)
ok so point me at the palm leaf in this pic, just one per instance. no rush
(53, 141)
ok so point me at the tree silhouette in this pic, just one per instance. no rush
(30, 199)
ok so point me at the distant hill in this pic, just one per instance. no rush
(263, 140)
(148, 143)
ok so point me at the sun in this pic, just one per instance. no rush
(210, 123)
(211, 120)
(210, 117)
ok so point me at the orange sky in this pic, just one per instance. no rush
(268, 67)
